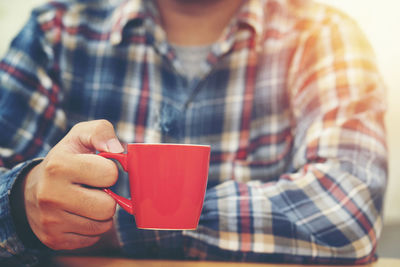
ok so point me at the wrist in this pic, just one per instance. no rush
(18, 211)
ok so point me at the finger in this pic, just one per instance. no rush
(90, 203)
(98, 135)
(87, 169)
(83, 226)
(92, 170)
(72, 241)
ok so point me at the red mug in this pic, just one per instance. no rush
(167, 184)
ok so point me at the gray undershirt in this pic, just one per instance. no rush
(192, 60)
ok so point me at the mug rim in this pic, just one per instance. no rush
(166, 144)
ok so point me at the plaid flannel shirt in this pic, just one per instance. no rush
(291, 103)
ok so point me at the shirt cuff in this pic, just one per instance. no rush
(12, 249)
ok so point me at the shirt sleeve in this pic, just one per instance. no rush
(12, 251)
(31, 120)
(329, 208)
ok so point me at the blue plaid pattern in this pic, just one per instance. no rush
(291, 103)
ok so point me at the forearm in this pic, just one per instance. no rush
(18, 213)
(291, 220)
(304, 217)
(16, 249)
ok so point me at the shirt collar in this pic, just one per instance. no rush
(251, 14)
(129, 10)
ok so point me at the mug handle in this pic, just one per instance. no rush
(125, 203)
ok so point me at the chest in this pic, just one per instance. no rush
(240, 107)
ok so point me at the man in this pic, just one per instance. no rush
(286, 93)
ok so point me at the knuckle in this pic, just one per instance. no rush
(93, 227)
(107, 225)
(87, 241)
(108, 209)
(63, 244)
(56, 246)
(47, 222)
(111, 173)
(97, 228)
(54, 167)
(51, 242)
(97, 129)
(43, 197)
(102, 125)
(77, 126)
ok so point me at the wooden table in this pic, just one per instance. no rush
(73, 261)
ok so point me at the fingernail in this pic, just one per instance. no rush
(114, 146)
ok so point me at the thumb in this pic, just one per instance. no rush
(91, 136)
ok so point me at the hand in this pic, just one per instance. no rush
(63, 203)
